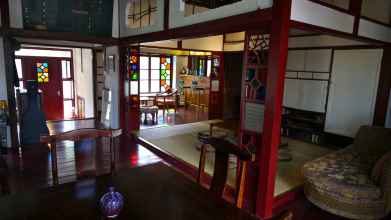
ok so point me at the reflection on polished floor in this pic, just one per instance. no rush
(30, 168)
(180, 141)
(169, 117)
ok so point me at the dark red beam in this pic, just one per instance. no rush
(248, 21)
(63, 36)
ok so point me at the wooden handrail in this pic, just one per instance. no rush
(76, 135)
(79, 134)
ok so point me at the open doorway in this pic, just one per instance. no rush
(64, 77)
(174, 89)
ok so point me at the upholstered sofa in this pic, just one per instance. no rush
(354, 182)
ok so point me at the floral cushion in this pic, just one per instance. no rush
(340, 175)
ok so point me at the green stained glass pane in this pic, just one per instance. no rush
(163, 75)
(134, 76)
(168, 60)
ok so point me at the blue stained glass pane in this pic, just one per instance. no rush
(45, 64)
(134, 67)
(39, 70)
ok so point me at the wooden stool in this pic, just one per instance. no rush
(153, 110)
(206, 134)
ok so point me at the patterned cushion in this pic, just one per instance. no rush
(372, 143)
(340, 174)
(337, 183)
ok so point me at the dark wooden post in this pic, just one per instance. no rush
(273, 107)
(122, 71)
(355, 9)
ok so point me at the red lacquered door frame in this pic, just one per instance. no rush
(133, 98)
(53, 105)
(216, 98)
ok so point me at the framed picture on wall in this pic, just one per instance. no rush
(111, 63)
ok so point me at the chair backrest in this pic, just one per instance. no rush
(79, 134)
(223, 149)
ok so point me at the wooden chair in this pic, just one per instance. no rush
(223, 149)
(4, 185)
(76, 135)
(286, 215)
(167, 101)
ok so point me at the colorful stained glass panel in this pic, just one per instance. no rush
(133, 69)
(43, 72)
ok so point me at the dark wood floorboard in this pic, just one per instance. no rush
(30, 169)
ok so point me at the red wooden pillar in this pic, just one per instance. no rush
(133, 100)
(273, 107)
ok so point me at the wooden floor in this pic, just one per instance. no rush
(30, 169)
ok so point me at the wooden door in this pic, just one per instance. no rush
(47, 71)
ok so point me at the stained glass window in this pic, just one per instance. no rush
(133, 67)
(43, 72)
(165, 72)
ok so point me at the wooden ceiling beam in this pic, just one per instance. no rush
(61, 36)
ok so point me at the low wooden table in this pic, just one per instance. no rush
(150, 193)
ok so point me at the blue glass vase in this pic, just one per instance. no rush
(111, 203)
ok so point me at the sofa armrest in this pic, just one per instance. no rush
(385, 184)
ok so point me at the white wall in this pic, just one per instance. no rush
(377, 9)
(83, 79)
(319, 15)
(353, 90)
(177, 15)
(112, 83)
(214, 43)
(15, 12)
(165, 43)
(115, 28)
